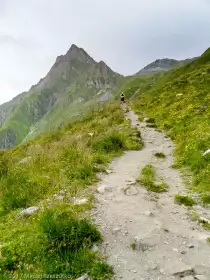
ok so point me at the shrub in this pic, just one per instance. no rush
(147, 178)
(65, 231)
(185, 200)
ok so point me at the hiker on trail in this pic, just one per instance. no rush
(122, 97)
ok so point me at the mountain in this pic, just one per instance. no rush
(164, 64)
(74, 84)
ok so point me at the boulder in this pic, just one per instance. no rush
(81, 201)
(84, 277)
(25, 160)
(29, 211)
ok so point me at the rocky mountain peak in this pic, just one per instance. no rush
(78, 54)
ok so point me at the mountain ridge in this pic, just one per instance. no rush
(162, 65)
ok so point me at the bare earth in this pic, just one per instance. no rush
(168, 244)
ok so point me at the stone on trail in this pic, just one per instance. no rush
(188, 278)
(116, 230)
(200, 277)
(144, 244)
(108, 171)
(130, 182)
(178, 269)
(204, 220)
(131, 191)
(102, 189)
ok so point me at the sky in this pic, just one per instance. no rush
(126, 34)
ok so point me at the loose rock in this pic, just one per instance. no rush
(95, 248)
(84, 277)
(116, 230)
(80, 201)
(181, 270)
(204, 220)
(200, 277)
(143, 244)
(25, 160)
(29, 211)
(188, 278)
(103, 189)
(108, 171)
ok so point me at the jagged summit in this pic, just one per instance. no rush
(76, 53)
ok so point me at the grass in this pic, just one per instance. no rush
(185, 119)
(194, 216)
(148, 177)
(206, 199)
(59, 237)
(133, 246)
(160, 155)
(178, 101)
(150, 120)
(185, 200)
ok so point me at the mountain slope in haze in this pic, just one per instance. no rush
(75, 83)
(161, 65)
(179, 101)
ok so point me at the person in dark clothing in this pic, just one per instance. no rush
(122, 97)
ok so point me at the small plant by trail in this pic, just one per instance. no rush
(148, 177)
(160, 155)
(185, 200)
(206, 199)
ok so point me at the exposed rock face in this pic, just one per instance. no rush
(7, 138)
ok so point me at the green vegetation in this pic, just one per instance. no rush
(206, 199)
(160, 155)
(179, 101)
(148, 177)
(133, 246)
(185, 200)
(58, 238)
(194, 216)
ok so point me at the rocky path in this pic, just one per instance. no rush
(168, 245)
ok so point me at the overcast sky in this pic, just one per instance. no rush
(126, 34)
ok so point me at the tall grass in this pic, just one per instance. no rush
(58, 239)
(148, 177)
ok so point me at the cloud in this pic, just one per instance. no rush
(126, 34)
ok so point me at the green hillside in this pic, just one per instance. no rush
(54, 173)
(179, 101)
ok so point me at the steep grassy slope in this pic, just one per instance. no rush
(53, 172)
(179, 101)
(75, 78)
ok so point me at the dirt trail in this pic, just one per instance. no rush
(169, 244)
